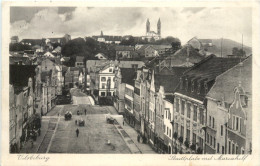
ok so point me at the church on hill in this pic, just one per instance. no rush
(151, 34)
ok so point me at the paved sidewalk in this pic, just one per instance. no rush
(144, 148)
(36, 144)
(132, 133)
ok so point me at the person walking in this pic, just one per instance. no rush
(85, 112)
(138, 138)
(76, 122)
(77, 132)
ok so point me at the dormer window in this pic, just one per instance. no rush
(192, 86)
(206, 87)
(198, 90)
(187, 84)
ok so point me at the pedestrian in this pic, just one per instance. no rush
(138, 138)
(76, 122)
(39, 132)
(77, 132)
(85, 112)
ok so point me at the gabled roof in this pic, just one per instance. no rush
(225, 83)
(184, 56)
(206, 71)
(128, 75)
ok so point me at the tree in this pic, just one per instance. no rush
(130, 41)
(238, 52)
(19, 47)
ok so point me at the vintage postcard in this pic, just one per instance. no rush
(130, 83)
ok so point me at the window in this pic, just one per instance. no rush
(110, 70)
(166, 114)
(103, 79)
(217, 147)
(237, 122)
(103, 93)
(210, 141)
(221, 130)
(233, 122)
(233, 148)
(182, 107)
(201, 116)
(198, 90)
(223, 150)
(108, 93)
(229, 147)
(187, 84)
(188, 110)
(182, 131)
(242, 151)
(240, 124)
(103, 85)
(170, 133)
(209, 121)
(236, 149)
(213, 122)
(195, 113)
(176, 127)
(177, 105)
(167, 130)
(214, 143)
(207, 138)
(206, 87)
(188, 135)
(194, 138)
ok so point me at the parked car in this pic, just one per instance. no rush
(68, 115)
(81, 122)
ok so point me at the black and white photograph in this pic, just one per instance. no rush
(139, 80)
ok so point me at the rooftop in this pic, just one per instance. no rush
(128, 75)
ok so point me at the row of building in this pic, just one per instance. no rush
(204, 107)
(34, 91)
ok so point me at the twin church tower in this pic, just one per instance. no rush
(152, 34)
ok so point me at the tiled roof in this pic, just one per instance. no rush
(184, 55)
(128, 75)
(226, 82)
(205, 72)
(19, 74)
(169, 81)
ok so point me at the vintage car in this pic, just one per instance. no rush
(81, 122)
(68, 115)
(110, 120)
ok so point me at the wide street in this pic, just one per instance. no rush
(59, 135)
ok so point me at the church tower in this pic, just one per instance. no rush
(159, 27)
(147, 26)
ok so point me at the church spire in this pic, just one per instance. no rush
(101, 33)
(147, 26)
(159, 27)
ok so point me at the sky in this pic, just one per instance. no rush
(184, 23)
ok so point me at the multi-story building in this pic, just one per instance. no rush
(229, 111)
(189, 104)
(123, 76)
(21, 94)
(124, 52)
(107, 80)
(137, 100)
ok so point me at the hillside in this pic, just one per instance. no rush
(227, 46)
